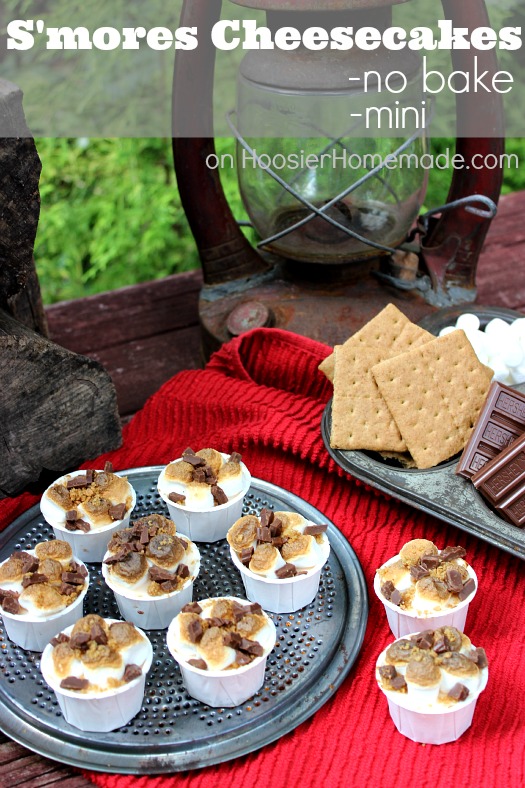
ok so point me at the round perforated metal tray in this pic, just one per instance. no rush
(316, 648)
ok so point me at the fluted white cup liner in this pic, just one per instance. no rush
(34, 632)
(220, 688)
(91, 546)
(102, 711)
(403, 622)
(214, 524)
(433, 726)
(154, 613)
(281, 596)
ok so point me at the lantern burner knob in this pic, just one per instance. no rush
(248, 315)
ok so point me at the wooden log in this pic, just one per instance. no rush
(57, 408)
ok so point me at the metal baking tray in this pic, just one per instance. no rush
(315, 651)
(437, 491)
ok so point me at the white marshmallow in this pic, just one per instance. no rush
(468, 322)
(446, 330)
(497, 328)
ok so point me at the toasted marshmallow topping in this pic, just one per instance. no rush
(432, 669)
(99, 654)
(425, 581)
(101, 499)
(279, 544)
(202, 480)
(150, 560)
(36, 585)
(221, 634)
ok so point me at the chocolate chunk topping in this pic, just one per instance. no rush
(98, 635)
(66, 590)
(159, 575)
(387, 672)
(209, 476)
(79, 568)
(263, 535)
(395, 597)
(255, 608)
(452, 553)
(192, 459)
(176, 497)
(418, 571)
(34, 580)
(61, 638)
(314, 530)
(11, 605)
(235, 457)
(199, 475)
(387, 589)
(192, 607)
(77, 481)
(78, 525)
(219, 496)
(80, 640)
(424, 640)
(458, 692)
(239, 611)
(116, 558)
(246, 555)
(29, 564)
(74, 683)
(144, 536)
(251, 647)
(72, 578)
(198, 663)
(189, 451)
(276, 527)
(467, 590)
(232, 639)
(108, 467)
(90, 475)
(454, 581)
(195, 631)
(479, 656)
(182, 571)
(215, 621)
(441, 646)
(117, 511)
(430, 561)
(71, 515)
(288, 570)
(278, 541)
(266, 518)
(131, 672)
(398, 683)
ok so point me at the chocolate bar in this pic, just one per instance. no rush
(500, 422)
(501, 482)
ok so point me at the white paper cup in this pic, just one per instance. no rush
(155, 612)
(281, 596)
(214, 524)
(434, 725)
(403, 622)
(220, 688)
(89, 546)
(34, 633)
(103, 711)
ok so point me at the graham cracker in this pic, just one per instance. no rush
(360, 417)
(435, 393)
(327, 367)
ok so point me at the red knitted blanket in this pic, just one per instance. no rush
(262, 395)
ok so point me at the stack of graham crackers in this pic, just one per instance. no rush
(400, 391)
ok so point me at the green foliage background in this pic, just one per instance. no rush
(111, 214)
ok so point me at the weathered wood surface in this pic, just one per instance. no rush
(57, 408)
(138, 324)
(143, 334)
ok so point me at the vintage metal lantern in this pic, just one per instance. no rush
(336, 243)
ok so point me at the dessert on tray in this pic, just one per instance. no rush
(204, 492)
(97, 669)
(151, 571)
(432, 681)
(425, 586)
(41, 590)
(86, 507)
(280, 557)
(222, 645)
